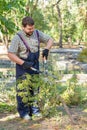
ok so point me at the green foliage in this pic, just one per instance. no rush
(72, 95)
(83, 55)
(40, 22)
(5, 8)
(45, 97)
(46, 17)
(1, 74)
(49, 91)
(7, 99)
(4, 107)
(10, 26)
(7, 92)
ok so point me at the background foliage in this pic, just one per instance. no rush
(52, 17)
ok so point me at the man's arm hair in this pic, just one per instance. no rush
(49, 43)
(15, 58)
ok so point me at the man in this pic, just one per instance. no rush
(24, 51)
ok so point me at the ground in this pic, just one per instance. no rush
(11, 121)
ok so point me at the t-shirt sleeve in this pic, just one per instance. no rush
(14, 45)
(43, 37)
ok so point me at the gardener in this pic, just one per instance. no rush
(24, 51)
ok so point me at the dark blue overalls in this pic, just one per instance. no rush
(21, 107)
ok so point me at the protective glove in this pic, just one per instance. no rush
(45, 53)
(27, 65)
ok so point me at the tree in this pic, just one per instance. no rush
(8, 23)
(59, 22)
(11, 14)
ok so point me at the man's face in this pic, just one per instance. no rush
(29, 29)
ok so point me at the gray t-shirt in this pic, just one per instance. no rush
(17, 46)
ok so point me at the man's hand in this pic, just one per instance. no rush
(45, 53)
(27, 65)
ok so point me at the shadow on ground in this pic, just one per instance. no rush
(9, 121)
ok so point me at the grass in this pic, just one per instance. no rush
(4, 107)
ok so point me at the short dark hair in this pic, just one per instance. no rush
(27, 21)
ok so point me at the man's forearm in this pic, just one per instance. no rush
(15, 58)
(49, 44)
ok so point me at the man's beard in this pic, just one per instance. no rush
(29, 34)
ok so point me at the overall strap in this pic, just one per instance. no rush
(38, 37)
(25, 43)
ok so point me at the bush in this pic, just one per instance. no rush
(83, 55)
(49, 91)
(72, 95)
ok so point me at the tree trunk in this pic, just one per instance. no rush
(60, 25)
(59, 22)
(5, 40)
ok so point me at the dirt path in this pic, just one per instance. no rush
(61, 122)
